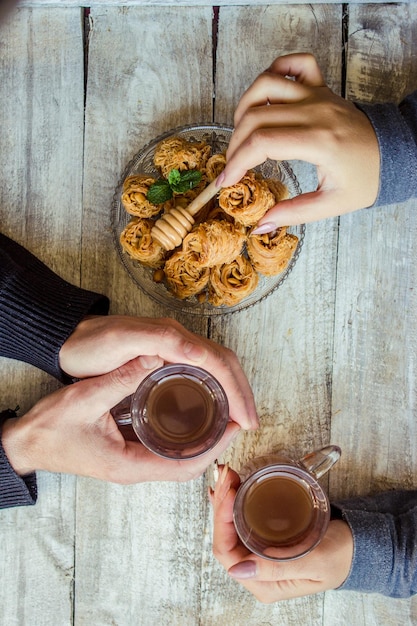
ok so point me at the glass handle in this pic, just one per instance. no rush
(320, 461)
(121, 412)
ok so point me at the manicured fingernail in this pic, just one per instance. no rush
(220, 179)
(215, 471)
(150, 362)
(195, 352)
(268, 227)
(245, 569)
(223, 474)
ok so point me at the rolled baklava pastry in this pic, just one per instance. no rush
(248, 200)
(214, 242)
(134, 199)
(183, 276)
(215, 165)
(270, 253)
(137, 242)
(216, 213)
(232, 282)
(180, 154)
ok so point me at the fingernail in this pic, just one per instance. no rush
(223, 474)
(215, 471)
(220, 179)
(150, 362)
(195, 352)
(245, 569)
(268, 227)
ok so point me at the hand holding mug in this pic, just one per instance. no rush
(101, 344)
(271, 579)
(72, 431)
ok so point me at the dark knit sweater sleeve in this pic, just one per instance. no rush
(396, 130)
(384, 529)
(38, 309)
(15, 490)
(38, 312)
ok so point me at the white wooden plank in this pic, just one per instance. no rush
(41, 140)
(374, 405)
(122, 3)
(138, 548)
(143, 553)
(282, 341)
(41, 137)
(158, 82)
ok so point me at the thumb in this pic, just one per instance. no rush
(256, 568)
(104, 392)
(309, 207)
(273, 581)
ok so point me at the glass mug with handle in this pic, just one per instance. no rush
(281, 512)
(178, 411)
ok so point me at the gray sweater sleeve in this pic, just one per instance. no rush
(396, 130)
(384, 529)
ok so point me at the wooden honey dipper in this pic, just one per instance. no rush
(173, 226)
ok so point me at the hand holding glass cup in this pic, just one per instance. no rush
(281, 512)
(178, 412)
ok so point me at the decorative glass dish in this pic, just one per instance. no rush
(218, 137)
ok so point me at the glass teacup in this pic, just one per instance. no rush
(178, 411)
(281, 512)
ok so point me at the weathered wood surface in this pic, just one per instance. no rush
(192, 3)
(330, 355)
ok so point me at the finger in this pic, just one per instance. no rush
(275, 123)
(156, 468)
(302, 66)
(242, 408)
(228, 480)
(104, 392)
(201, 463)
(256, 145)
(265, 570)
(277, 590)
(272, 581)
(306, 208)
(225, 366)
(227, 548)
(269, 88)
(175, 344)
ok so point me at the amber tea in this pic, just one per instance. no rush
(179, 410)
(278, 509)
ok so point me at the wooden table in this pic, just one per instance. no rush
(331, 355)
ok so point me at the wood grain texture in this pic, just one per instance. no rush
(150, 90)
(373, 407)
(123, 3)
(282, 342)
(330, 354)
(381, 52)
(139, 553)
(41, 142)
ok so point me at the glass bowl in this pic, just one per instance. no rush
(218, 137)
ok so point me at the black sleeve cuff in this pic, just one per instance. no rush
(15, 490)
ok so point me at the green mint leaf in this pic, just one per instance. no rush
(159, 192)
(174, 177)
(188, 180)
